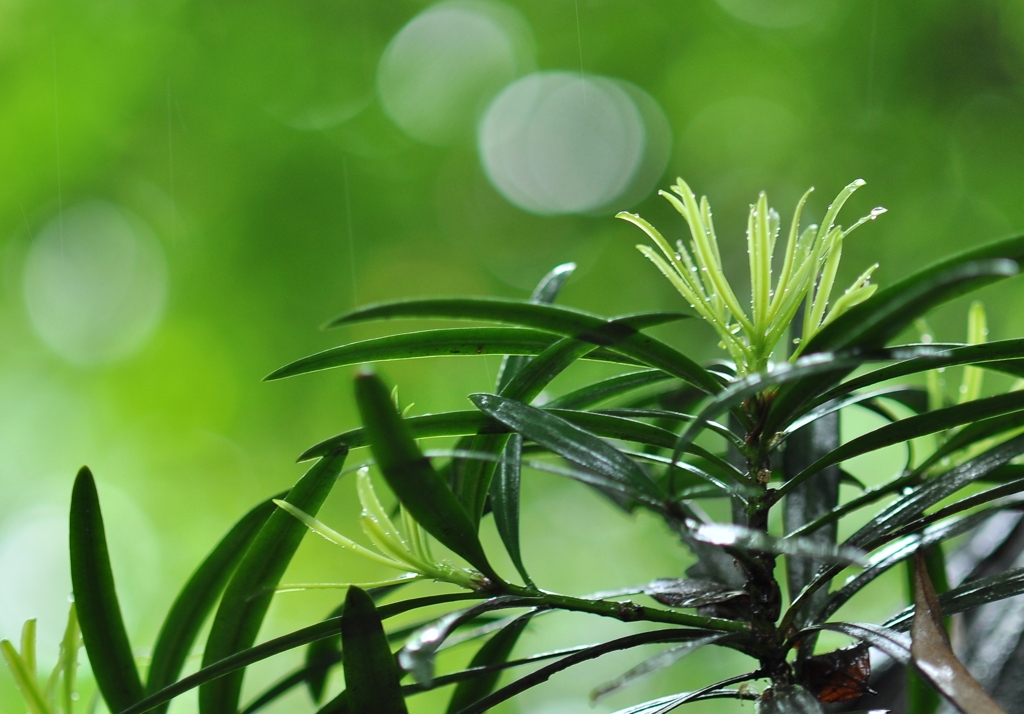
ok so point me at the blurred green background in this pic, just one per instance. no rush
(189, 189)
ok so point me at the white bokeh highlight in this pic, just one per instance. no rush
(439, 72)
(95, 284)
(557, 143)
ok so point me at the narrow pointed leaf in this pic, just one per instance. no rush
(505, 501)
(497, 650)
(730, 535)
(250, 590)
(932, 655)
(544, 673)
(270, 648)
(422, 492)
(560, 320)
(592, 394)
(26, 680)
(99, 613)
(569, 441)
(546, 292)
(371, 676)
(651, 665)
(911, 428)
(809, 502)
(448, 342)
(464, 423)
(895, 553)
(987, 355)
(687, 592)
(200, 594)
(970, 595)
(888, 312)
(909, 507)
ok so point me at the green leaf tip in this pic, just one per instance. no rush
(807, 275)
(99, 613)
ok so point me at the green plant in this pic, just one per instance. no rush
(644, 438)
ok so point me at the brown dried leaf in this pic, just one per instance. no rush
(837, 676)
(932, 655)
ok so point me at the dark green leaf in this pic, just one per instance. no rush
(544, 673)
(889, 311)
(729, 535)
(496, 651)
(687, 592)
(970, 595)
(569, 441)
(524, 386)
(911, 428)
(592, 394)
(371, 677)
(673, 701)
(809, 502)
(909, 507)
(505, 501)
(320, 655)
(248, 594)
(560, 320)
(895, 553)
(545, 292)
(447, 342)
(197, 598)
(422, 492)
(932, 655)
(419, 652)
(986, 355)
(653, 664)
(293, 640)
(99, 613)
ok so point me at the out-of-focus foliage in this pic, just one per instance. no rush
(190, 188)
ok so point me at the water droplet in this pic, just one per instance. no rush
(859, 182)
(796, 341)
(876, 212)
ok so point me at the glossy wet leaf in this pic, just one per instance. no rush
(809, 502)
(569, 441)
(249, 592)
(99, 613)
(729, 535)
(560, 320)
(688, 592)
(198, 597)
(505, 501)
(417, 656)
(658, 662)
(932, 655)
(597, 392)
(910, 506)
(496, 651)
(371, 676)
(546, 292)
(913, 427)
(897, 552)
(544, 673)
(270, 648)
(791, 699)
(889, 311)
(463, 423)
(422, 492)
(447, 342)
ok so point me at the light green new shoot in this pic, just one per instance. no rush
(807, 275)
(406, 550)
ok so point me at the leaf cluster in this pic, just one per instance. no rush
(641, 439)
